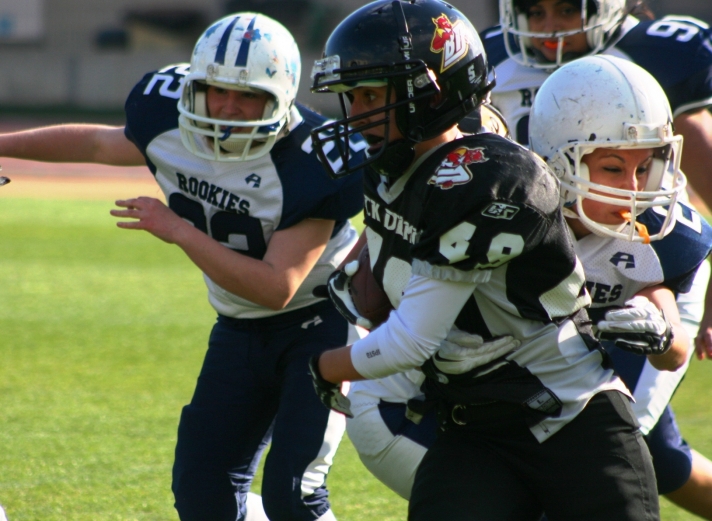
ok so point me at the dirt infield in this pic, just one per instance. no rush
(36, 180)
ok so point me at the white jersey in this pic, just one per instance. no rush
(242, 204)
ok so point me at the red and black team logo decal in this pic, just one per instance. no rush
(449, 39)
(453, 170)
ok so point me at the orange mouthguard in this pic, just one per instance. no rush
(639, 227)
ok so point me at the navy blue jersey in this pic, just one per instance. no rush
(617, 270)
(676, 51)
(241, 204)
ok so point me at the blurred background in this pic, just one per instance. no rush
(80, 58)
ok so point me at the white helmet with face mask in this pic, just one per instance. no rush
(606, 102)
(245, 52)
(599, 21)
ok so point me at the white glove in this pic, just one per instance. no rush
(640, 327)
(461, 351)
(338, 287)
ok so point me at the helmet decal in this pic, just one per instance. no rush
(449, 39)
(222, 46)
(250, 35)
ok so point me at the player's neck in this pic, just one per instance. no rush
(449, 135)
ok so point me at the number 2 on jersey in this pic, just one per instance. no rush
(238, 232)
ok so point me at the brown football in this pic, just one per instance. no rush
(370, 300)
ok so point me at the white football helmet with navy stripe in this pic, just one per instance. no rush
(243, 51)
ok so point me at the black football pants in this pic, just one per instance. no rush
(597, 468)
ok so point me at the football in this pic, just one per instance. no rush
(370, 300)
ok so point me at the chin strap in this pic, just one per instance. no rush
(395, 159)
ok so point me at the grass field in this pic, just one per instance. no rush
(102, 333)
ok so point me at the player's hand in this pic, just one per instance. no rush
(703, 340)
(640, 328)
(151, 215)
(703, 343)
(461, 352)
(329, 393)
(338, 289)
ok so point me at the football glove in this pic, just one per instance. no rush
(461, 351)
(640, 328)
(337, 289)
(329, 393)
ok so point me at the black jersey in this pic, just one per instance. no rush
(484, 210)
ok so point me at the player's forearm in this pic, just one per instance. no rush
(679, 350)
(677, 355)
(251, 279)
(335, 366)
(72, 143)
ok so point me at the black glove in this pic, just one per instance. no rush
(337, 288)
(640, 328)
(329, 393)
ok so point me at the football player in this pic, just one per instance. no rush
(613, 140)
(466, 236)
(536, 37)
(250, 204)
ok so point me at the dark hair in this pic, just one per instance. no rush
(523, 6)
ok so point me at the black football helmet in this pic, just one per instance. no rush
(425, 52)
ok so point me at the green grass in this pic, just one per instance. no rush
(102, 333)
